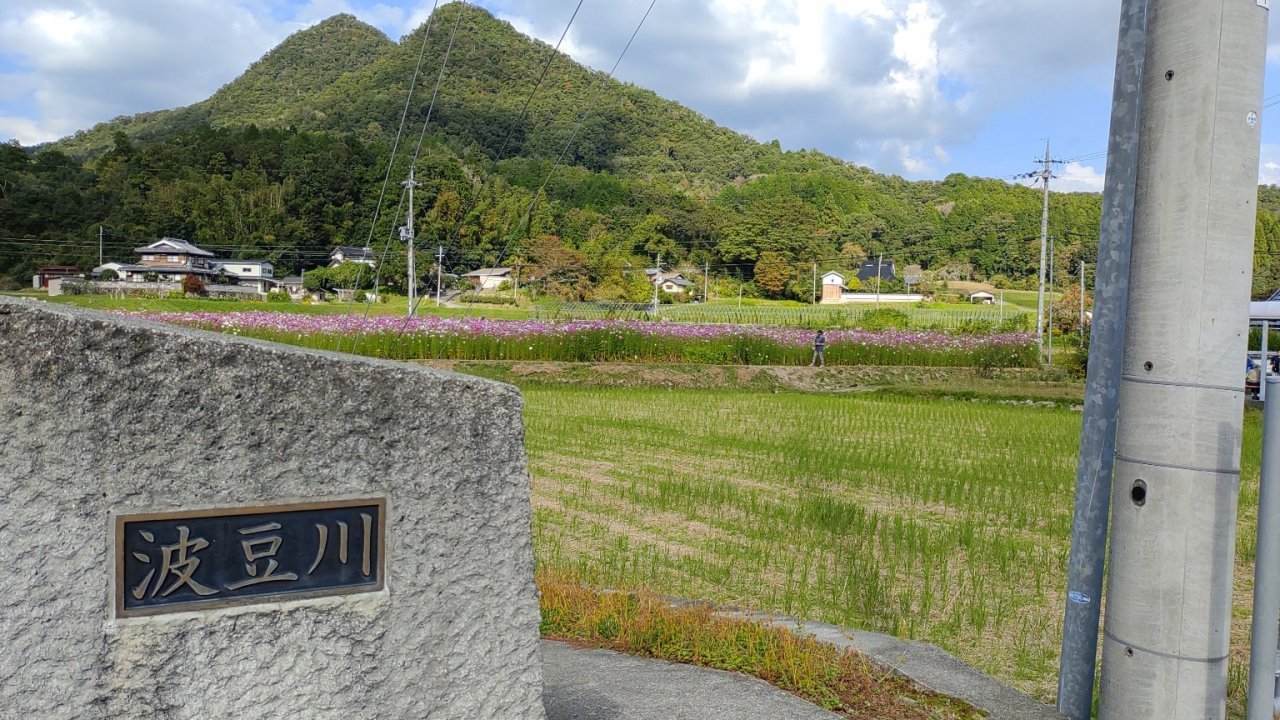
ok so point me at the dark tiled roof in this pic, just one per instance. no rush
(178, 247)
(868, 271)
(353, 253)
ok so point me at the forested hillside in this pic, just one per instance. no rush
(290, 159)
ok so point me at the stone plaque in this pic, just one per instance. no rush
(180, 561)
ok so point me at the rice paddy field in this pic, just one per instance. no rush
(936, 519)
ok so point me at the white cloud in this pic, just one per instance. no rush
(25, 130)
(885, 79)
(902, 84)
(1074, 177)
(86, 61)
(915, 46)
(1269, 165)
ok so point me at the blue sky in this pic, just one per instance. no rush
(920, 89)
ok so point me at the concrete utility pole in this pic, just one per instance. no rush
(408, 238)
(1266, 585)
(99, 246)
(1079, 660)
(1081, 325)
(1052, 256)
(440, 273)
(1177, 471)
(1044, 174)
(657, 280)
(814, 296)
(706, 280)
(879, 265)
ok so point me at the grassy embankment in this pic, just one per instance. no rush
(395, 305)
(761, 312)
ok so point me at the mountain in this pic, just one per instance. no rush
(344, 76)
(291, 157)
(298, 72)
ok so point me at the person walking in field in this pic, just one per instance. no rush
(819, 347)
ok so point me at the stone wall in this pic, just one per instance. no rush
(122, 288)
(103, 415)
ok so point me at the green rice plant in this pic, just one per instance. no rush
(946, 521)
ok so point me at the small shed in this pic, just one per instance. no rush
(983, 297)
(48, 272)
(489, 278)
(832, 286)
(114, 267)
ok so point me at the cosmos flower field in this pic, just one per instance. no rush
(446, 338)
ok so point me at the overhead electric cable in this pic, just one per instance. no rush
(395, 146)
(546, 66)
(586, 113)
(551, 56)
(444, 65)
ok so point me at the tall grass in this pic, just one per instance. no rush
(396, 306)
(642, 623)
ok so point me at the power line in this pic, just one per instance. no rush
(411, 182)
(551, 56)
(404, 115)
(474, 196)
(603, 83)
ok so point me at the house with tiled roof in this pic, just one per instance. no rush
(169, 260)
(348, 253)
(488, 278)
(668, 282)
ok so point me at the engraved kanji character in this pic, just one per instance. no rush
(178, 560)
(257, 549)
(323, 532)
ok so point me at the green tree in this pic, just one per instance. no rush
(647, 237)
(772, 272)
(316, 280)
(351, 276)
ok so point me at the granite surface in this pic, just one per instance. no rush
(103, 415)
